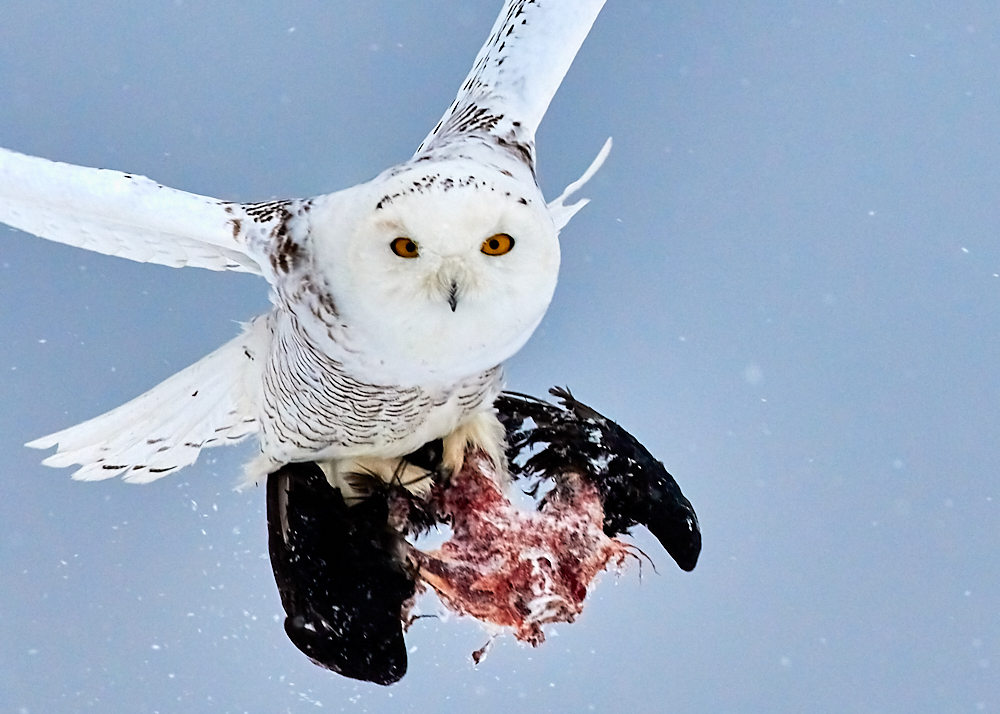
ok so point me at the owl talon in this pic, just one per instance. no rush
(357, 478)
(482, 432)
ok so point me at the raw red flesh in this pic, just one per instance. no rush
(515, 568)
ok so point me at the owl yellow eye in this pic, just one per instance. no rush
(405, 248)
(499, 244)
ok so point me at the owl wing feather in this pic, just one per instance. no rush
(212, 402)
(515, 76)
(128, 216)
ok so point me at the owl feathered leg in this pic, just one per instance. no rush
(210, 403)
(482, 432)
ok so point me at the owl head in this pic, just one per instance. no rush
(442, 269)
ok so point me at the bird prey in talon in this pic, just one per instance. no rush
(348, 575)
(395, 301)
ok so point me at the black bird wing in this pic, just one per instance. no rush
(545, 440)
(342, 581)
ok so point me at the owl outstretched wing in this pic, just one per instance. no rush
(132, 216)
(515, 76)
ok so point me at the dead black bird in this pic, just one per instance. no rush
(341, 571)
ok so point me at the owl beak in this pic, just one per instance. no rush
(449, 280)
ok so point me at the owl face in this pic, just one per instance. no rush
(440, 273)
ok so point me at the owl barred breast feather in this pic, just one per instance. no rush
(394, 301)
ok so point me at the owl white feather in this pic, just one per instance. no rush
(395, 301)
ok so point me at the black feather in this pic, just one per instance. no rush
(338, 571)
(635, 488)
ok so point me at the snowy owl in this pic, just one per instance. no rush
(395, 301)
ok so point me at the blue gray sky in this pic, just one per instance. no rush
(786, 286)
